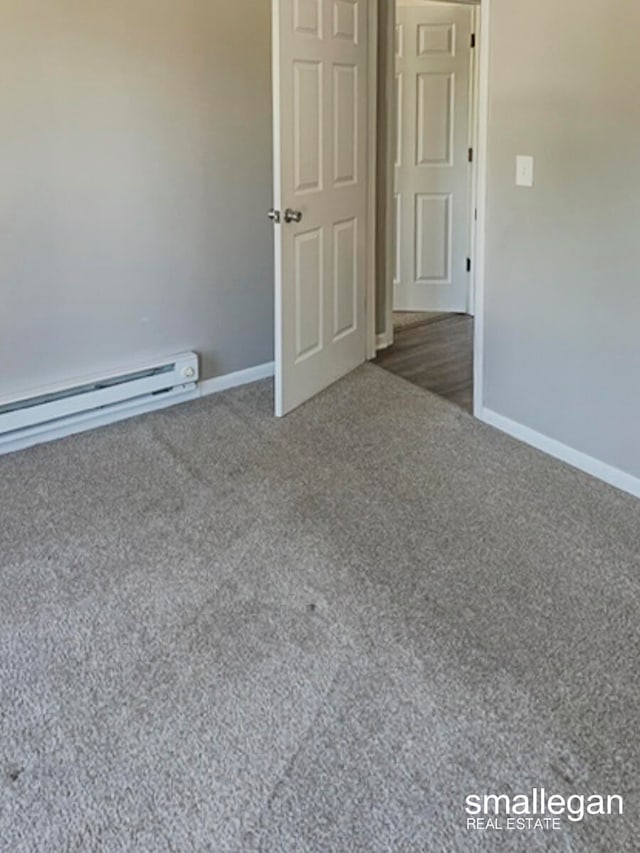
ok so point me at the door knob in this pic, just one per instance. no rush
(292, 215)
(274, 216)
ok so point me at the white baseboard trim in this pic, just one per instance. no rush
(234, 380)
(382, 341)
(601, 470)
(92, 420)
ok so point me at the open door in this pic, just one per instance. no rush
(320, 200)
(433, 205)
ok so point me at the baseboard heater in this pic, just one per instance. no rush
(64, 409)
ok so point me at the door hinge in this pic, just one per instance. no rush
(473, 39)
(468, 264)
(471, 155)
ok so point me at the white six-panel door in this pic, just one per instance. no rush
(432, 200)
(320, 132)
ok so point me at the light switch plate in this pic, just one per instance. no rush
(524, 171)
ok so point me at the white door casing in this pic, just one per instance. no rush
(320, 136)
(432, 199)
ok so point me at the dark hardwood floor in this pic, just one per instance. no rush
(437, 355)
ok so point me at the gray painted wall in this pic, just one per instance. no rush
(135, 176)
(563, 277)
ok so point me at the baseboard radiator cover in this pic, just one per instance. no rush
(65, 409)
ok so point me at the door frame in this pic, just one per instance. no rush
(478, 200)
(373, 10)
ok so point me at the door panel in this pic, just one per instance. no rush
(433, 222)
(308, 259)
(433, 238)
(307, 114)
(345, 124)
(345, 20)
(436, 39)
(435, 119)
(320, 134)
(307, 17)
(345, 278)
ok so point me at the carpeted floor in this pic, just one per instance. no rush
(224, 632)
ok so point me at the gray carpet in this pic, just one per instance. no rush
(224, 632)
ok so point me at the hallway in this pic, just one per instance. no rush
(435, 353)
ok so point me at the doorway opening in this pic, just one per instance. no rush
(432, 192)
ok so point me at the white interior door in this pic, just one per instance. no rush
(320, 209)
(432, 201)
